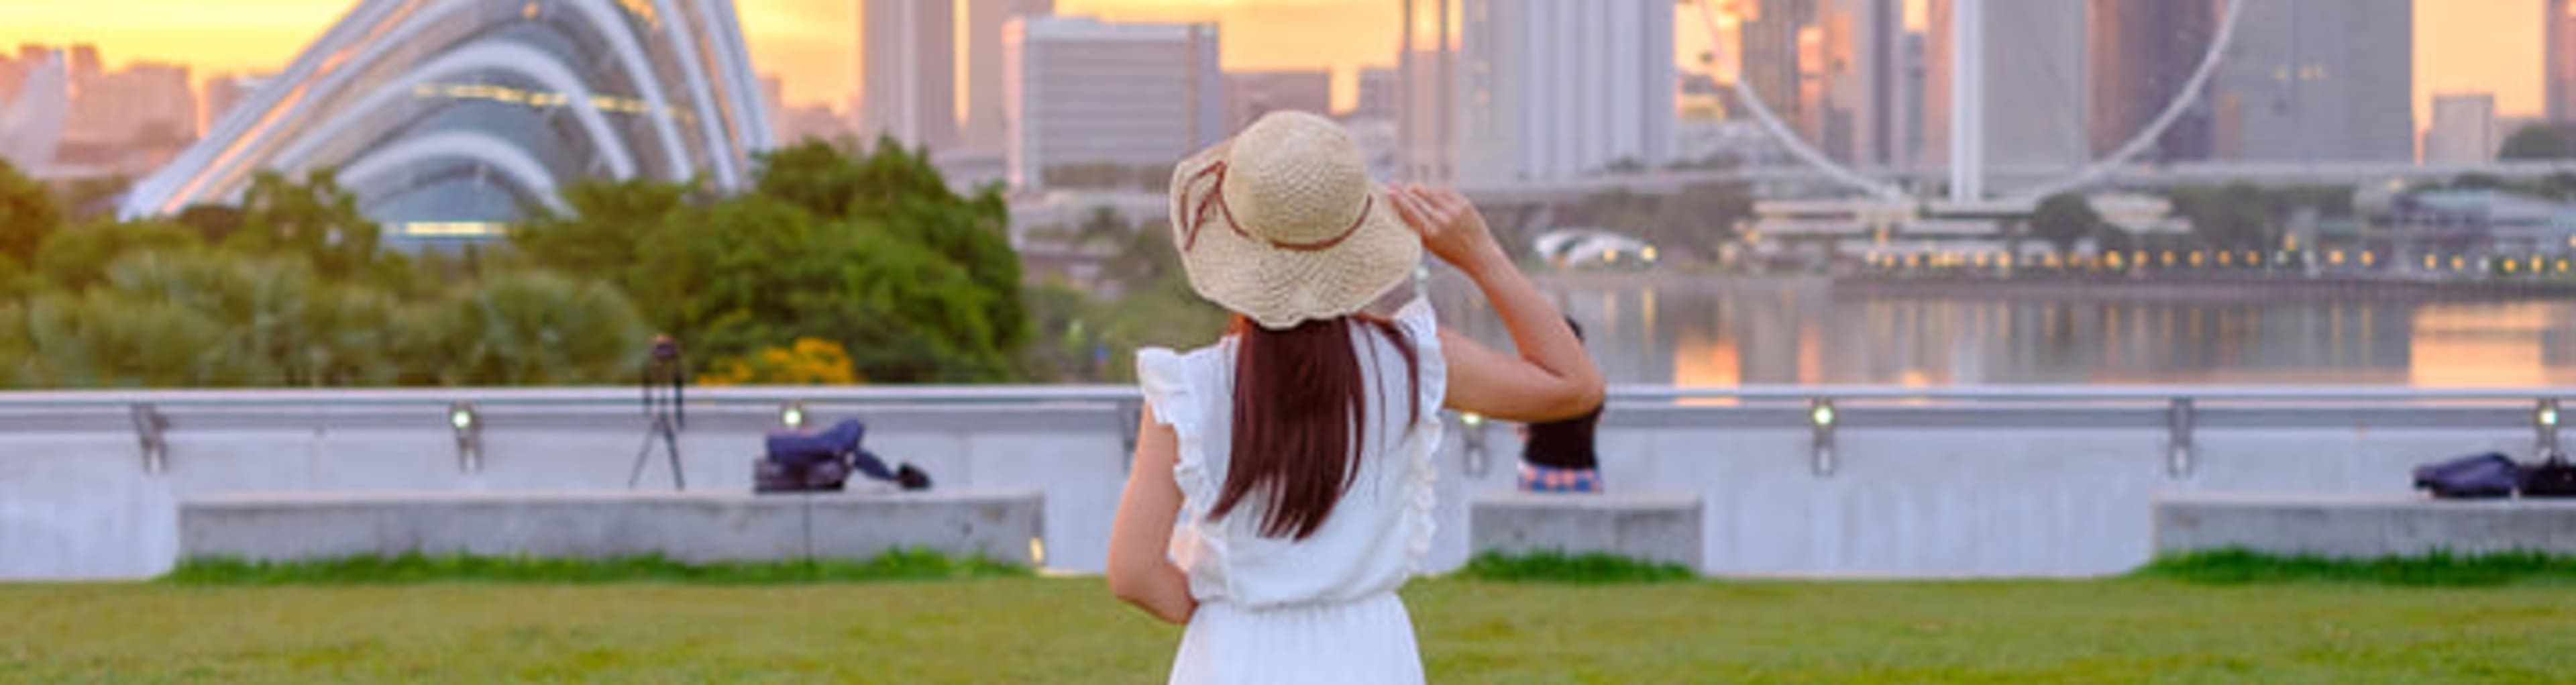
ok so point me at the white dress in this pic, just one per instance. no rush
(1322, 609)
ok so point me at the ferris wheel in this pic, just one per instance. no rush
(1967, 165)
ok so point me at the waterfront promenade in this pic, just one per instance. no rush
(1798, 481)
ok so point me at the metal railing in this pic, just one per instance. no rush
(1824, 411)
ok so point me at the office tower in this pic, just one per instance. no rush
(1537, 89)
(2559, 60)
(1082, 92)
(2318, 81)
(2035, 100)
(1252, 94)
(984, 118)
(1377, 94)
(2464, 130)
(907, 71)
(2144, 52)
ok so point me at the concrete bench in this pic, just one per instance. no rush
(1647, 527)
(689, 527)
(2362, 527)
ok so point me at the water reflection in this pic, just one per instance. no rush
(1800, 332)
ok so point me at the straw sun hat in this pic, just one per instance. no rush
(1282, 224)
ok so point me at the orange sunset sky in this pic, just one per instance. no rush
(2460, 45)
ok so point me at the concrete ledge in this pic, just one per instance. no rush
(2363, 527)
(689, 527)
(1646, 527)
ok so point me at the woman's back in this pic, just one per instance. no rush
(1373, 537)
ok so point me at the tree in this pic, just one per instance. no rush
(2235, 217)
(78, 258)
(315, 218)
(2063, 219)
(537, 328)
(27, 214)
(874, 253)
(2535, 142)
(1698, 221)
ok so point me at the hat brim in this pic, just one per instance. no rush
(1279, 288)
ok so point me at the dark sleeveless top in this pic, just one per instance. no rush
(1563, 444)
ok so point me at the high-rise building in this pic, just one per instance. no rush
(2559, 60)
(2317, 81)
(812, 122)
(1376, 94)
(1780, 43)
(446, 121)
(907, 71)
(2035, 104)
(1082, 92)
(1251, 94)
(2464, 130)
(2144, 52)
(985, 126)
(225, 92)
(1538, 89)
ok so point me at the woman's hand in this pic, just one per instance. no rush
(1450, 226)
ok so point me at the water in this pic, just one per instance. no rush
(1665, 330)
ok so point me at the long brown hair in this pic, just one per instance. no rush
(1301, 418)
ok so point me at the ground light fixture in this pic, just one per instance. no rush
(468, 425)
(1822, 418)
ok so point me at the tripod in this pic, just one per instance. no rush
(664, 376)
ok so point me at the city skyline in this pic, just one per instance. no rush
(2461, 46)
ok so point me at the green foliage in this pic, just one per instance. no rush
(78, 258)
(1693, 223)
(873, 253)
(2535, 142)
(1558, 567)
(536, 328)
(2238, 566)
(2063, 219)
(27, 214)
(902, 564)
(2235, 217)
(315, 219)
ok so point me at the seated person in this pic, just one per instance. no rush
(1558, 456)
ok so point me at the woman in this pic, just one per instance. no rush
(1558, 456)
(1281, 490)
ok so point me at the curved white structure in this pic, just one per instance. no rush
(1968, 162)
(441, 111)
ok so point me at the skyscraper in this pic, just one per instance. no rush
(2464, 130)
(984, 119)
(2144, 51)
(1082, 92)
(907, 71)
(2318, 81)
(1832, 70)
(2035, 104)
(1539, 89)
(1248, 95)
(2559, 57)
(1376, 94)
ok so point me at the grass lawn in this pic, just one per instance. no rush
(1048, 630)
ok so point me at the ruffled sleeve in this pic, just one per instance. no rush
(1197, 548)
(1422, 326)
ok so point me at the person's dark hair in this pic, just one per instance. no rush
(1301, 418)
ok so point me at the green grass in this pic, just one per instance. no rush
(415, 568)
(2243, 567)
(1068, 630)
(1556, 567)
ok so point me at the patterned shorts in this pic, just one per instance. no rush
(1535, 478)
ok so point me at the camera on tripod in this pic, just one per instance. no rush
(662, 381)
